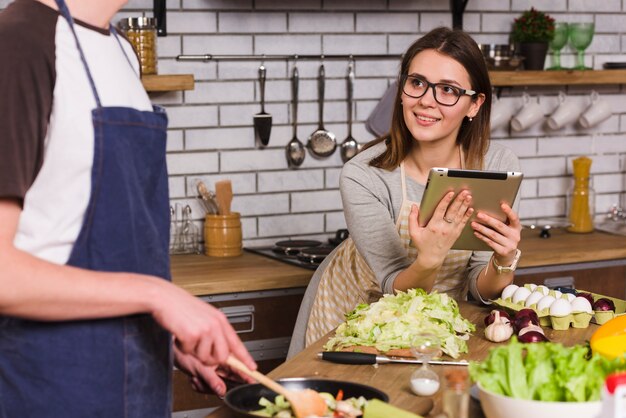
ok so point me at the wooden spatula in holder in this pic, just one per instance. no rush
(224, 196)
(222, 232)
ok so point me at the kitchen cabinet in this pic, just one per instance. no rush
(556, 78)
(606, 278)
(167, 82)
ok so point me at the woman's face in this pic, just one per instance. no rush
(426, 119)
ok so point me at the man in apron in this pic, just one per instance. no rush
(87, 310)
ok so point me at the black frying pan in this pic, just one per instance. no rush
(245, 398)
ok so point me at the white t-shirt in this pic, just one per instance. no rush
(54, 204)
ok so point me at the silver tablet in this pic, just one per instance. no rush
(488, 188)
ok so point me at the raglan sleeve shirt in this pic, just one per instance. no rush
(27, 76)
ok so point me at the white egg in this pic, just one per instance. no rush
(545, 302)
(570, 296)
(581, 304)
(543, 289)
(557, 294)
(508, 291)
(520, 295)
(532, 286)
(560, 307)
(533, 299)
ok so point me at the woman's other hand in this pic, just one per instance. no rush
(502, 237)
(434, 240)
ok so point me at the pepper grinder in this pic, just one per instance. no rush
(581, 198)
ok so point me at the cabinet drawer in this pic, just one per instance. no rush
(260, 315)
(603, 277)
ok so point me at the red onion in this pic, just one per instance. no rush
(586, 295)
(528, 312)
(532, 337)
(524, 318)
(530, 328)
(492, 317)
(603, 304)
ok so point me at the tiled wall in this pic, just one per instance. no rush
(211, 135)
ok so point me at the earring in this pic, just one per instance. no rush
(470, 118)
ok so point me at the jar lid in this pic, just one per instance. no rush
(138, 23)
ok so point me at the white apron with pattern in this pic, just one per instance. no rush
(349, 281)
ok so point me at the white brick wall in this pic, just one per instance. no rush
(211, 135)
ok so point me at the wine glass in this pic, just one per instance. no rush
(580, 36)
(561, 32)
(424, 346)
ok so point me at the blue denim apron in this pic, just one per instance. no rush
(116, 367)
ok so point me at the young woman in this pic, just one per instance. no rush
(440, 119)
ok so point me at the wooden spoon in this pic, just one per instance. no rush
(224, 196)
(304, 403)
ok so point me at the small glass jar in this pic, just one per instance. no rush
(142, 34)
(456, 394)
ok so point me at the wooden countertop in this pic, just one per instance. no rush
(564, 248)
(202, 275)
(394, 378)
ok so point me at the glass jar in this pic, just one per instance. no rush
(581, 198)
(456, 394)
(142, 34)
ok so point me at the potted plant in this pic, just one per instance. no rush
(533, 31)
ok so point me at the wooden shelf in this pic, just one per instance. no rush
(168, 82)
(556, 78)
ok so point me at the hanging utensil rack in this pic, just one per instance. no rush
(285, 57)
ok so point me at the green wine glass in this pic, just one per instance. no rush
(580, 36)
(561, 33)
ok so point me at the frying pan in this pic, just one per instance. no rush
(245, 398)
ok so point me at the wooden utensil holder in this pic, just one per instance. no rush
(222, 235)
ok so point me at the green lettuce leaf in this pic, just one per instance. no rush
(393, 321)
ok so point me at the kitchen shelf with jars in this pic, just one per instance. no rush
(141, 32)
(557, 77)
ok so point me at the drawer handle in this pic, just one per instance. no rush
(240, 315)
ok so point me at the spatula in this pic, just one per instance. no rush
(304, 403)
(224, 196)
(262, 120)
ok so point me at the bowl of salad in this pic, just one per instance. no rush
(344, 399)
(542, 380)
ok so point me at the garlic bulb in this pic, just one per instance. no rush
(500, 330)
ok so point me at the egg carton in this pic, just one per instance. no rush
(574, 319)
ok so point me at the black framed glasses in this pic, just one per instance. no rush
(445, 94)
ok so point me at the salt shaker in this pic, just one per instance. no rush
(456, 394)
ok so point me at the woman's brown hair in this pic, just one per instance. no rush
(473, 137)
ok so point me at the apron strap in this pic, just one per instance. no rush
(403, 182)
(65, 12)
(117, 38)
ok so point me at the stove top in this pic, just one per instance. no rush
(269, 251)
(307, 254)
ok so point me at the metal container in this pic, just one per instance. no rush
(142, 34)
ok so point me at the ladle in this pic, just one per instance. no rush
(349, 146)
(295, 149)
(303, 403)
